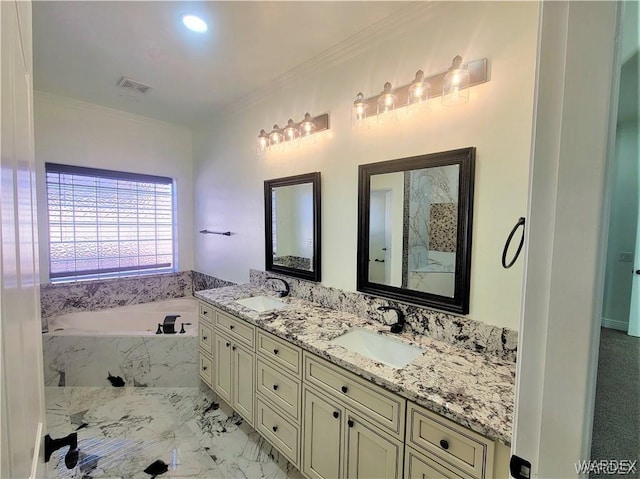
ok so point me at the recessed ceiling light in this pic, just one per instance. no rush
(195, 24)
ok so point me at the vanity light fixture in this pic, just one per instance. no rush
(306, 128)
(418, 91)
(290, 131)
(386, 101)
(455, 87)
(359, 110)
(275, 137)
(452, 84)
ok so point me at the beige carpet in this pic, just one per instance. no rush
(616, 428)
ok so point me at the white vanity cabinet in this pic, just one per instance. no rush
(437, 447)
(234, 363)
(279, 394)
(352, 428)
(329, 422)
(205, 344)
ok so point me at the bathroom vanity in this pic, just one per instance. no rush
(334, 413)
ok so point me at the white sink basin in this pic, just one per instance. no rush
(379, 347)
(262, 303)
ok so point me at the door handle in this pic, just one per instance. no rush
(638, 271)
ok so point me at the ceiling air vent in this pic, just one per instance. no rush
(130, 84)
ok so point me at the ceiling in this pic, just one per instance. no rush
(83, 48)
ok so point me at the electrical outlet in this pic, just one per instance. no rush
(310, 243)
(625, 257)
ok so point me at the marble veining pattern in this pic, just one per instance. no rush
(456, 330)
(204, 281)
(473, 389)
(161, 361)
(62, 298)
(122, 431)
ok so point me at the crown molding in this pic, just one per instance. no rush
(336, 55)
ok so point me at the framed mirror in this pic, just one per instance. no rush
(292, 226)
(414, 229)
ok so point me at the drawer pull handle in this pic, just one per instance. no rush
(275, 428)
(228, 344)
(231, 326)
(350, 423)
(205, 312)
(275, 387)
(233, 348)
(276, 351)
(336, 414)
(204, 338)
(204, 368)
(444, 444)
(344, 389)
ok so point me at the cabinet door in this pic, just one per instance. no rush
(244, 390)
(418, 466)
(323, 437)
(370, 452)
(222, 358)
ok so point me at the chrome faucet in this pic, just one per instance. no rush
(281, 293)
(397, 327)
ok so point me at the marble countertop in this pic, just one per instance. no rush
(472, 389)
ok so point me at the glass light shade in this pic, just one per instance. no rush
(290, 131)
(275, 137)
(263, 141)
(419, 91)
(386, 100)
(455, 89)
(307, 126)
(359, 110)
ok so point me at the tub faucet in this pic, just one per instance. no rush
(281, 293)
(169, 325)
(397, 327)
(71, 458)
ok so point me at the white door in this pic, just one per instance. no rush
(378, 238)
(21, 375)
(634, 311)
(559, 329)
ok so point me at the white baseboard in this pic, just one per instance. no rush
(615, 324)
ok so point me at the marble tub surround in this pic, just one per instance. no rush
(473, 389)
(62, 298)
(456, 330)
(123, 431)
(158, 361)
(204, 281)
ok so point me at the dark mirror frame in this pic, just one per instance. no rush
(314, 179)
(465, 158)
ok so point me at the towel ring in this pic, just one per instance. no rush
(506, 265)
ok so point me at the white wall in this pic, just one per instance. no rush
(77, 133)
(622, 228)
(229, 177)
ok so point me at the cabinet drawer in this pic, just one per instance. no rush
(283, 435)
(280, 389)
(280, 352)
(206, 337)
(206, 312)
(418, 466)
(377, 404)
(206, 368)
(236, 328)
(452, 444)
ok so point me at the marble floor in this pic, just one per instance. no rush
(122, 431)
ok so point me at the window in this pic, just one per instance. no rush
(105, 224)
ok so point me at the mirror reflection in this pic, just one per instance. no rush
(414, 229)
(292, 225)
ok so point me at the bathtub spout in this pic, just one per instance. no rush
(169, 325)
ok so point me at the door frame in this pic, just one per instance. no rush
(565, 238)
